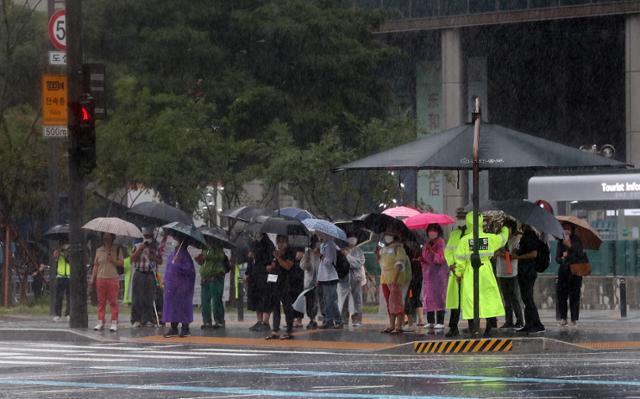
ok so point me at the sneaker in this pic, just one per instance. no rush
(57, 318)
(439, 327)
(518, 325)
(536, 329)
(573, 323)
(99, 326)
(136, 324)
(524, 329)
(338, 326)
(312, 325)
(562, 323)
(356, 324)
(205, 326)
(184, 333)
(507, 325)
(67, 318)
(429, 325)
(326, 326)
(171, 333)
(256, 327)
(217, 326)
(114, 326)
(149, 324)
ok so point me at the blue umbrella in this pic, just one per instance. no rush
(295, 213)
(325, 227)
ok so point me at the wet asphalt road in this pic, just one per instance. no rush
(124, 370)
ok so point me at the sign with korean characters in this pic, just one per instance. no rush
(54, 105)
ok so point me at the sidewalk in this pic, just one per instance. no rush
(597, 330)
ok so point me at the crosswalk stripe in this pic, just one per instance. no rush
(28, 363)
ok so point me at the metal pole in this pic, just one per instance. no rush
(475, 255)
(623, 297)
(78, 278)
(7, 265)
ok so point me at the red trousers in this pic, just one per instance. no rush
(107, 289)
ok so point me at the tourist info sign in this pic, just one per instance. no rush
(54, 105)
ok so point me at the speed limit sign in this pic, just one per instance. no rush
(58, 30)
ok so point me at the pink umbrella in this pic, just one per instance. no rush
(401, 212)
(421, 221)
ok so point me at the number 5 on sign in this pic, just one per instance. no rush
(58, 30)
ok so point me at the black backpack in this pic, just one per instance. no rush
(542, 259)
(342, 265)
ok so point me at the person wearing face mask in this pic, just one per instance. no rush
(507, 274)
(455, 278)
(105, 276)
(353, 282)
(394, 279)
(179, 282)
(310, 263)
(328, 281)
(569, 251)
(435, 275)
(280, 270)
(145, 259)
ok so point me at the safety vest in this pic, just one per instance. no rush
(63, 267)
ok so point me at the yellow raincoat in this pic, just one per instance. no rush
(490, 299)
(453, 286)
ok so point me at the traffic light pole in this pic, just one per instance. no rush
(78, 280)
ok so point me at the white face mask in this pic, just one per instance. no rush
(388, 239)
(352, 241)
(433, 235)
(567, 233)
(148, 240)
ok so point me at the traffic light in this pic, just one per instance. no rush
(84, 133)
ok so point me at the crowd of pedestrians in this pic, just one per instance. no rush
(420, 282)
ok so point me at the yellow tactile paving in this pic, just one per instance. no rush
(611, 345)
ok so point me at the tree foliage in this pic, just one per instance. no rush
(232, 91)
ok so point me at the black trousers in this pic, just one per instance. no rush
(511, 296)
(438, 317)
(286, 297)
(311, 301)
(568, 290)
(527, 279)
(62, 291)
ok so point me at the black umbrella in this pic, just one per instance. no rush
(192, 235)
(244, 213)
(380, 223)
(256, 223)
(218, 234)
(461, 148)
(297, 233)
(57, 232)
(296, 213)
(500, 148)
(527, 213)
(159, 213)
(354, 228)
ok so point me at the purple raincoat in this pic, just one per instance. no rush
(435, 276)
(179, 280)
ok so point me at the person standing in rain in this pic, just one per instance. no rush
(145, 258)
(284, 258)
(526, 256)
(260, 257)
(328, 281)
(179, 281)
(569, 251)
(356, 279)
(214, 266)
(63, 272)
(108, 259)
(310, 263)
(455, 279)
(507, 274)
(413, 302)
(435, 274)
(395, 277)
(491, 305)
